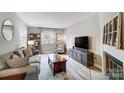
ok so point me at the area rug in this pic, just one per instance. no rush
(46, 72)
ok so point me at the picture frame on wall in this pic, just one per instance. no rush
(58, 36)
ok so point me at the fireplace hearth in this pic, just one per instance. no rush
(114, 67)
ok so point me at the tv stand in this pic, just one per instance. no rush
(82, 56)
(80, 49)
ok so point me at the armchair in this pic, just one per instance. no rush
(60, 48)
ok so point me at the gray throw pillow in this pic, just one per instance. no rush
(3, 64)
(20, 53)
(17, 62)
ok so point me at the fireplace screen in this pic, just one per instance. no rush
(114, 68)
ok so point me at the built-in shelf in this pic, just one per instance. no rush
(35, 39)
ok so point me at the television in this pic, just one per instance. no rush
(81, 42)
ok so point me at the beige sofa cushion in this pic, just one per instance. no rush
(17, 62)
(29, 69)
(3, 65)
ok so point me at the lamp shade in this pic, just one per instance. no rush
(31, 42)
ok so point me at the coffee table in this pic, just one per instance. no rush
(57, 63)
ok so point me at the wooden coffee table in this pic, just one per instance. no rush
(57, 63)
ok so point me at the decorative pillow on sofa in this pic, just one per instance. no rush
(3, 64)
(14, 56)
(28, 52)
(17, 62)
(20, 52)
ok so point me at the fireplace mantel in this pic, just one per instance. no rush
(117, 53)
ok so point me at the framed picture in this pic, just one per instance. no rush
(58, 36)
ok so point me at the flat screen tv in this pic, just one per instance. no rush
(81, 42)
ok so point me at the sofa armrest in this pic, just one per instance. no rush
(30, 69)
(37, 65)
(10, 72)
(18, 76)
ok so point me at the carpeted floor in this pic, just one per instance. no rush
(77, 72)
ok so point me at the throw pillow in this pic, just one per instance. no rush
(3, 64)
(28, 52)
(17, 62)
(14, 56)
(20, 52)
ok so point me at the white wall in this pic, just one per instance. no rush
(88, 27)
(40, 29)
(20, 33)
(22, 29)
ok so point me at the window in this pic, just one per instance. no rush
(48, 40)
(48, 37)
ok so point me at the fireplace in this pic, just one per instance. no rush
(114, 67)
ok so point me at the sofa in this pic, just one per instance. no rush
(32, 69)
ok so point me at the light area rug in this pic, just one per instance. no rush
(46, 72)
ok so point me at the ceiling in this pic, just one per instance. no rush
(53, 19)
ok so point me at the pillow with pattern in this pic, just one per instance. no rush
(17, 62)
(28, 52)
(14, 56)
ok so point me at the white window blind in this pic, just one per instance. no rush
(48, 41)
(48, 37)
